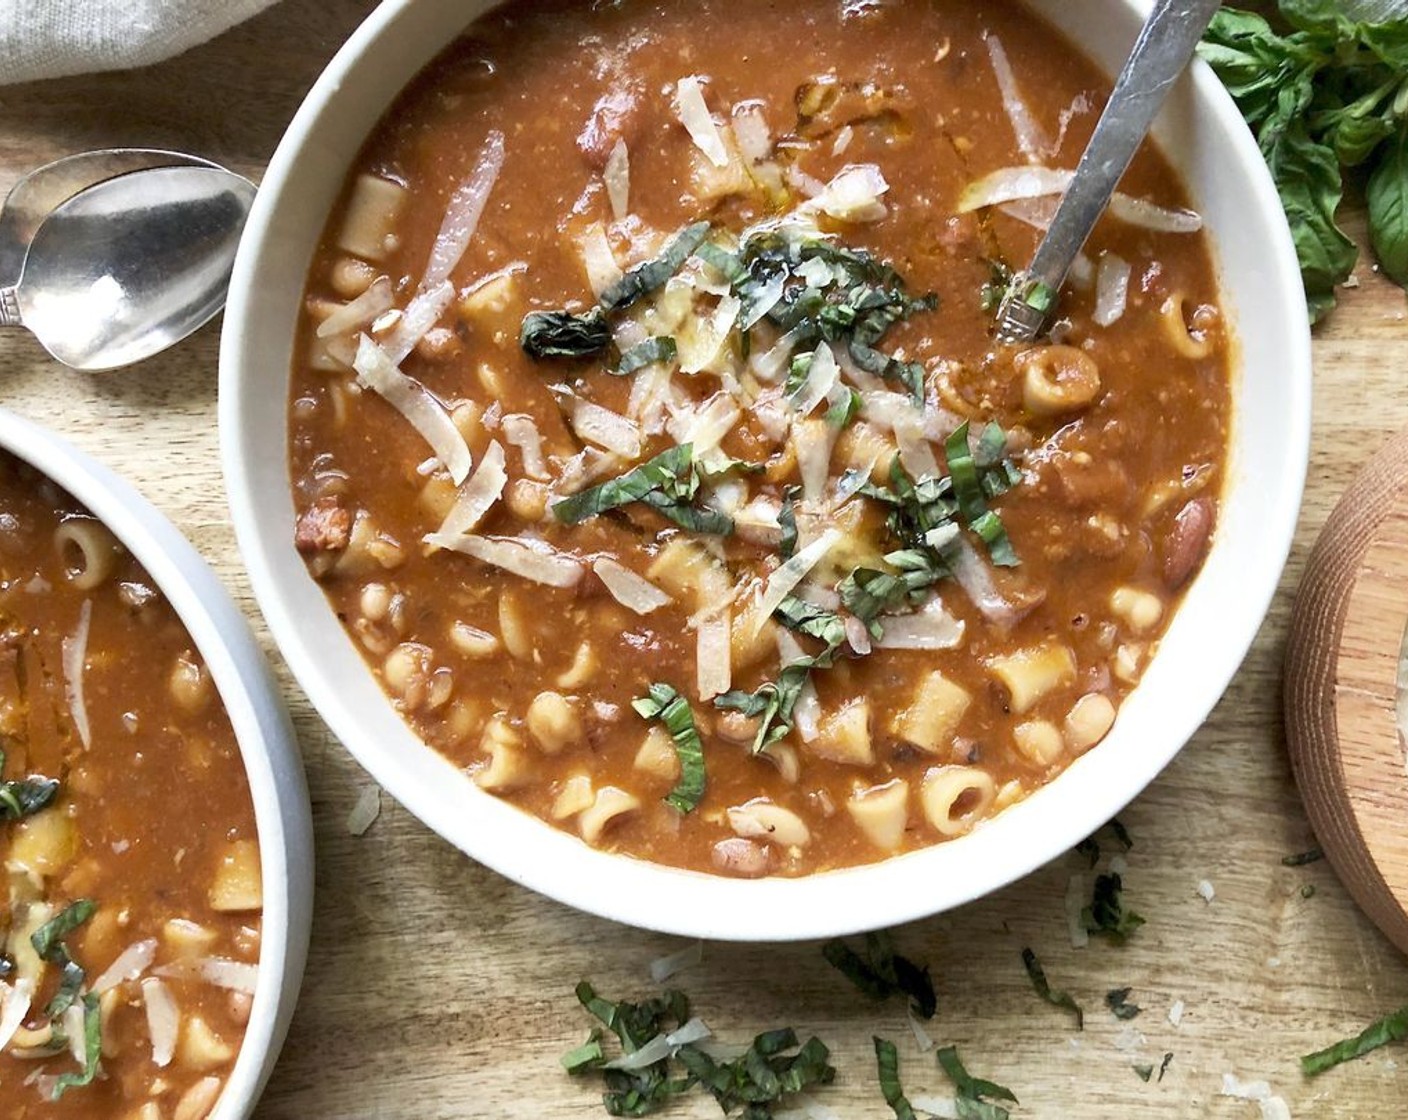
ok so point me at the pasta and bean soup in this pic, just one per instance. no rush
(130, 926)
(649, 436)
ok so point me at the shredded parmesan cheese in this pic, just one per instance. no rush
(530, 558)
(374, 302)
(130, 964)
(791, 573)
(377, 371)
(365, 812)
(617, 177)
(74, 654)
(662, 968)
(632, 591)
(478, 496)
(463, 213)
(605, 428)
(713, 655)
(163, 1020)
(694, 115)
(522, 432)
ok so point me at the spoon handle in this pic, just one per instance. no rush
(10, 307)
(1163, 49)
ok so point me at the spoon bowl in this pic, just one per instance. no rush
(34, 197)
(131, 265)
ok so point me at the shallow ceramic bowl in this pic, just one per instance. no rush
(261, 726)
(1204, 136)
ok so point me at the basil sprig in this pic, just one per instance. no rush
(662, 702)
(1330, 94)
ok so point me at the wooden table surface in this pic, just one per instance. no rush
(435, 988)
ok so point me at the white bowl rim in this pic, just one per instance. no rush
(687, 903)
(266, 741)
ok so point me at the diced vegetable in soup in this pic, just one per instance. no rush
(650, 438)
(130, 923)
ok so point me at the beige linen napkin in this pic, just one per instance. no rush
(54, 38)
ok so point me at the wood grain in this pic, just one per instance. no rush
(437, 989)
(1342, 688)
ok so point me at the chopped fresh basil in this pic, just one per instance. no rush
(910, 375)
(1163, 1065)
(887, 1059)
(1090, 846)
(787, 522)
(562, 334)
(1300, 859)
(763, 1075)
(1106, 915)
(641, 1091)
(1391, 1028)
(843, 413)
(92, 1050)
(1143, 1071)
(972, 1093)
(671, 709)
(25, 796)
(659, 349)
(774, 702)
(1117, 1000)
(882, 972)
(585, 1057)
(645, 278)
(1053, 996)
(668, 483)
(48, 942)
(969, 491)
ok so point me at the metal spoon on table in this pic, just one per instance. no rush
(129, 265)
(34, 197)
(1164, 48)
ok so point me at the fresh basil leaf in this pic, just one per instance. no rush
(1163, 1065)
(1053, 996)
(887, 1060)
(1106, 915)
(562, 334)
(92, 1050)
(816, 622)
(763, 1075)
(588, 1056)
(645, 278)
(48, 938)
(662, 348)
(24, 797)
(1391, 1028)
(882, 972)
(787, 522)
(1143, 1070)
(843, 413)
(1117, 1000)
(1387, 195)
(972, 1093)
(667, 483)
(665, 704)
(908, 374)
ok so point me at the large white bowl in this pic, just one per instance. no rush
(1206, 140)
(267, 745)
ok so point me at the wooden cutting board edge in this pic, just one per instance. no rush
(1341, 689)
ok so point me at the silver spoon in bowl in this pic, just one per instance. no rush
(1164, 48)
(130, 265)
